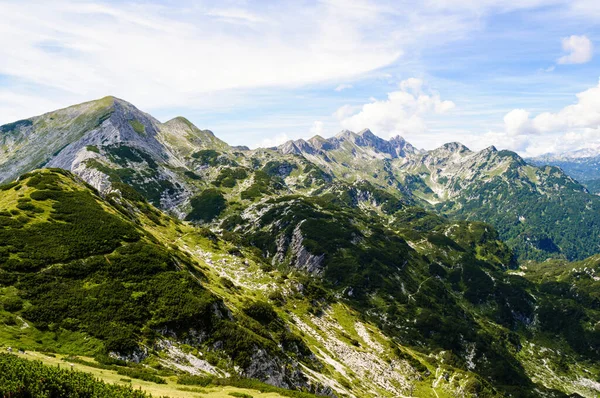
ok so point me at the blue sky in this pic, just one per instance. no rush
(522, 76)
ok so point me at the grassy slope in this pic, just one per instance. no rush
(99, 293)
(339, 331)
(171, 389)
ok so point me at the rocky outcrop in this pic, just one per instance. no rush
(302, 259)
(276, 372)
(299, 257)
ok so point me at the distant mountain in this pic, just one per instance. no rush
(583, 165)
(176, 166)
(537, 210)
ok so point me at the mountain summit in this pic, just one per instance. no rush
(113, 145)
(364, 142)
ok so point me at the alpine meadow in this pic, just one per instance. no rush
(143, 256)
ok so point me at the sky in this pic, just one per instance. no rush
(519, 75)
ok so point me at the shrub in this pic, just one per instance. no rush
(138, 127)
(207, 205)
(23, 378)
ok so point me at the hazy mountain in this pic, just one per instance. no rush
(583, 165)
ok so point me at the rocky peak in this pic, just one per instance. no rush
(345, 135)
(367, 138)
(320, 143)
(288, 147)
(401, 147)
(184, 135)
(296, 147)
(367, 134)
(454, 147)
(181, 122)
(363, 138)
(395, 148)
(398, 140)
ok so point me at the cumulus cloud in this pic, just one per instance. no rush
(579, 49)
(411, 84)
(585, 113)
(517, 122)
(317, 128)
(570, 128)
(403, 111)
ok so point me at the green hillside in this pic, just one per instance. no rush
(353, 294)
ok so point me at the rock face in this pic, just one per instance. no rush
(293, 252)
(105, 142)
(274, 371)
(302, 259)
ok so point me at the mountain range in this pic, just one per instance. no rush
(536, 209)
(344, 266)
(583, 165)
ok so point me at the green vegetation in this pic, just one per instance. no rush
(311, 276)
(240, 395)
(207, 205)
(278, 169)
(242, 383)
(138, 127)
(10, 127)
(229, 177)
(528, 222)
(134, 182)
(262, 184)
(593, 186)
(452, 290)
(207, 157)
(92, 148)
(81, 268)
(23, 378)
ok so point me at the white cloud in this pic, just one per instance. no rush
(517, 122)
(573, 127)
(274, 141)
(345, 111)
(12, 104)
(579, 49)
(403, 111)
(411, 84)
(317, 128)
(162, 55)
(158, 57)
(585, 113)
(235, 15)
(342, 87)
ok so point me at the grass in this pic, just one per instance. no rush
(170, 389)
(138, 127)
